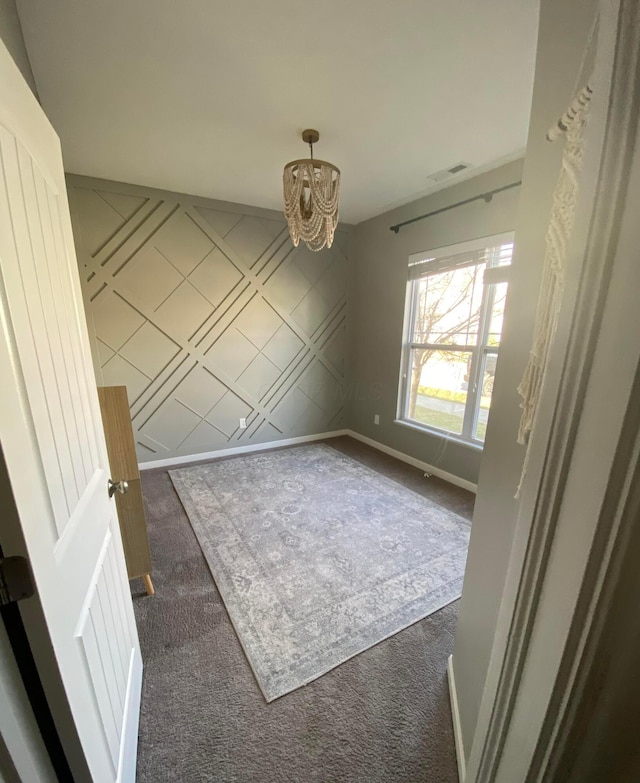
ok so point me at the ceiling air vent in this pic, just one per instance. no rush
(457, 168)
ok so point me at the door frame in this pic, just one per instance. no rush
(556, 597)
(23, 755)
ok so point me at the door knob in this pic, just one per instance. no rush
(117, 486)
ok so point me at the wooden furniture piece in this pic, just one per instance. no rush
(125, 474)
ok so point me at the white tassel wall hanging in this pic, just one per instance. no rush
(571, 126)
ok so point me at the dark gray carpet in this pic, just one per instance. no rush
(381, 717)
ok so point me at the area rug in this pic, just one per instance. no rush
(317, 557)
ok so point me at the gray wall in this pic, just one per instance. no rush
(207, 313)
(11, 34)
(379, 282)
(562, 35)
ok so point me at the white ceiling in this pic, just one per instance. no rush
(209, 97)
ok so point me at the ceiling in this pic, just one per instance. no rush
(209, 97)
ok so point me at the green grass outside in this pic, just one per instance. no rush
(443, 394)
(452, 396)
(444, 421)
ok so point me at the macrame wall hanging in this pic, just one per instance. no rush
(571, 127)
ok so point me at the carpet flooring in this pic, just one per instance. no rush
(381, 717)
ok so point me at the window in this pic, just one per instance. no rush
(453, 324)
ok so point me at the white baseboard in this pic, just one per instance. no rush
(417, 463)
(206, 455)
(455, 716)
(277, 444)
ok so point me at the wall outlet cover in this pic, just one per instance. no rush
(376, 419)
(243, 424)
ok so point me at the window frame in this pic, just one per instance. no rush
(436, 260)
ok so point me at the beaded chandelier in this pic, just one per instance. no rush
(311, 194)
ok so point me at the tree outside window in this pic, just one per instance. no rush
(455, 304)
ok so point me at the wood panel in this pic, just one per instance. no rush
(134, 530)
(123, 463)
(119, 433)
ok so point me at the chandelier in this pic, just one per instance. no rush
(311, 193)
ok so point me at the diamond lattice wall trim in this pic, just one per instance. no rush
(208, 314)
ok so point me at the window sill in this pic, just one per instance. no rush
(439, 433)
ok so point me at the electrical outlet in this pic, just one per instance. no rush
(376, 419)
(243, 423)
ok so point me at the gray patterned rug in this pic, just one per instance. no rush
(317, 557)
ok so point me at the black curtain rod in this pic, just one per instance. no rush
(486, 196)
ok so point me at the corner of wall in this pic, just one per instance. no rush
(380, 259)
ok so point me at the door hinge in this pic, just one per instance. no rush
(16, 582)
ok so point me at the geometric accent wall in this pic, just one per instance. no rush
(207, 313)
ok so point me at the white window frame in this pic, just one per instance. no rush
(437, 261)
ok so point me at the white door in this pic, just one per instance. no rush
(56, 460)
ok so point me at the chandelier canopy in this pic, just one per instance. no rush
(311, 195)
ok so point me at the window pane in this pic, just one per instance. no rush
(447, 307)
(496, 302)
(484, 397)
(437, 392)
(501, 255)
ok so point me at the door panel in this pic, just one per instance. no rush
(53, 443)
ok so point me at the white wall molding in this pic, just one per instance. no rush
(209, 316)
(207, 455)
(455, 717)
(417, 463)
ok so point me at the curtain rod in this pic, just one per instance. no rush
(486, 196)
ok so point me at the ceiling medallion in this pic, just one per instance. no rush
(311, 195)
